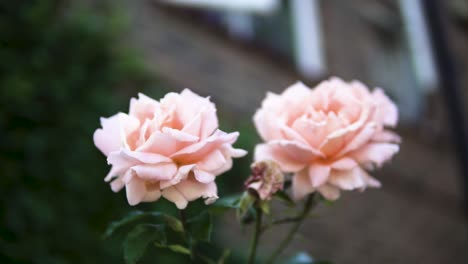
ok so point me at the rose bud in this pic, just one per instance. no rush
(266, 179)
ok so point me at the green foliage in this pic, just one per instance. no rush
(201, 226)
(138, 239)
(163, 230)
(60, 70)
(165, 219)
(285, 198)
(224, 204)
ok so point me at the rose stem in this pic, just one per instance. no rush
(309, 204)
(183, 219)
(256, 235)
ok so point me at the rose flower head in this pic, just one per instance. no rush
(171, 148)
(266, 179)
(327, 136)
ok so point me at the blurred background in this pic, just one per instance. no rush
(63, 64)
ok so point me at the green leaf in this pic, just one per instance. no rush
(224, 256)
(174, 223)
(245, 204)
(138, 239)
(161, 218)
(224, 204)
(265, 207)
(201, 226)
(179, 249)
(131, 217)
(284, 197)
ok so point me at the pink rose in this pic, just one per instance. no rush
(172, 148)
(329, 136)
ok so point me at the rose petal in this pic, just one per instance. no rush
(386, 136)
(143, 108)
(199, 150)
(193, 190)
(347, 179)
(210, 123)
(159, 143)
(360, 139)
(267, 152)
(152, 196)
(203, 176)
(181, 174)
(193, 127)
(301, 185)
(108, 138)
(178, 135)
(329, 192)
(173, 195)
(318, 174)
(314, 132)
(155, 172)
(387, 111)
(376, 153)
(344, 164)
(136, 190)
(212, 161)
(117, 185)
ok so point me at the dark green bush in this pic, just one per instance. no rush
(59, 71)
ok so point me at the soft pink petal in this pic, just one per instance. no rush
(212, 162)
(181, 174)
(375, 153)
(360, 139)
(267, 152)
(344, 164)
(301, 185)
(173, 195)
(155, 172)
(199, 150)
(386, 136)
(318, 174)
(152, 196)
(292, 135)
(193, 190)
(143, 108)
(210, 123)
(233, 152)
(267, 120)
(160, 143)
(387, 111)
(117, 185)
(203, 176)
(314, 132)
(179, 135)
(191, 104)
(194, 126)
(130, 157)
(348, 179)
(107, 139)
(329, 192)
(136, 190)
(226, 166)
